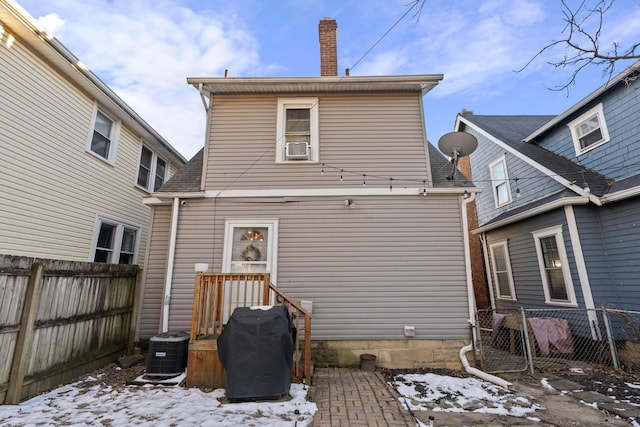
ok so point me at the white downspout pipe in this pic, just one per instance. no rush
(170, 261)
(472, 302)
(477, 372)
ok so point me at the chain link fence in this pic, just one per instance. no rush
(557, 339)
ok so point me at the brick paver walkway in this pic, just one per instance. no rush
(351, 397)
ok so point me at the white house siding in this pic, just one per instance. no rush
(52, 188)
(379, 134)
(389, 262)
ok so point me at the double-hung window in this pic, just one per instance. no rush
(554, 266)
(501, 270)
(152, 170)
(589, 130)
(500, 182)
(103, 138)
(297, 130)
(115, 242)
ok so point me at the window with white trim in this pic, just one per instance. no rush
(297, 130)
(152, 170)
(250, 246)
(103, 138)
(554, 266)
(589, 130)
(500, 182)
(501, 270)
(115, 242)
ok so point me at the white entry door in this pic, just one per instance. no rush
(249, 247)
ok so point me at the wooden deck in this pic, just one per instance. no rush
(216, 296)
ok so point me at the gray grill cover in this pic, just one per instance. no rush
(256, 349)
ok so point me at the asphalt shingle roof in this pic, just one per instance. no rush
(187, 179)
(513, 129)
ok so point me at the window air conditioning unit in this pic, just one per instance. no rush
(167, 355)
(296, 151)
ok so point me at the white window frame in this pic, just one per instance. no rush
(314, 149)
(113, 137)
(556, 232)
(117, 243)
(574, 124)
(151, 185)
(272, 242)
(493, 247)
(505, 182)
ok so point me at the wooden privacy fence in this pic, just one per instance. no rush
(61, 319)
(216, 296)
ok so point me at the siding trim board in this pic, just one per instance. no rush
(569, 201)
(583, 275)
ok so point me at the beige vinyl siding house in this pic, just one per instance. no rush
(330, 185)
(371, 258)
(55, 190)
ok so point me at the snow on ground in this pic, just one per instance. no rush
(449, 394)
(89, 403)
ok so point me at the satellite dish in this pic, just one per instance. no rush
(456, 145)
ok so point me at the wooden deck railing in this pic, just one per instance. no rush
(218, 294)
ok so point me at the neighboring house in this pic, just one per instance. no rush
(559, 211)
(329, 184)
(75, 160)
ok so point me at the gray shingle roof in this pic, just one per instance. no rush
(187, 179)
(513, 129)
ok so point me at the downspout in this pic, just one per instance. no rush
(170, 261)
(472, 302)
(477, 372)
(467, 255)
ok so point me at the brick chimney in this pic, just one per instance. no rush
(328, 32)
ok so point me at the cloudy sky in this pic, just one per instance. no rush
(145, 50)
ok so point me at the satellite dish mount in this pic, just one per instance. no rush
(457, 145)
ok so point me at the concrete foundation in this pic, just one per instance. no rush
(393, 354)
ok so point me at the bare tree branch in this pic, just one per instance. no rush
(582, 41)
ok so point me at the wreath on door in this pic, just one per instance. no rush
(251, 253)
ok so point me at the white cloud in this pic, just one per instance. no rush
(52, 23)
(475, 49)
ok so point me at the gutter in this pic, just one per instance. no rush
(569, 201)
(166, 300)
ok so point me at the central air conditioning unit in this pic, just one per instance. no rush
(296, 151)
(167, 355)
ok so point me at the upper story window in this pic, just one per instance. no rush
(115, 242)
(501, 270)
(103, 138)
(500, 182)
(152, 170)
(297, 130)
(554, 266)
(589, 130)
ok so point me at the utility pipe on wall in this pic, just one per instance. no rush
(170, 261)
